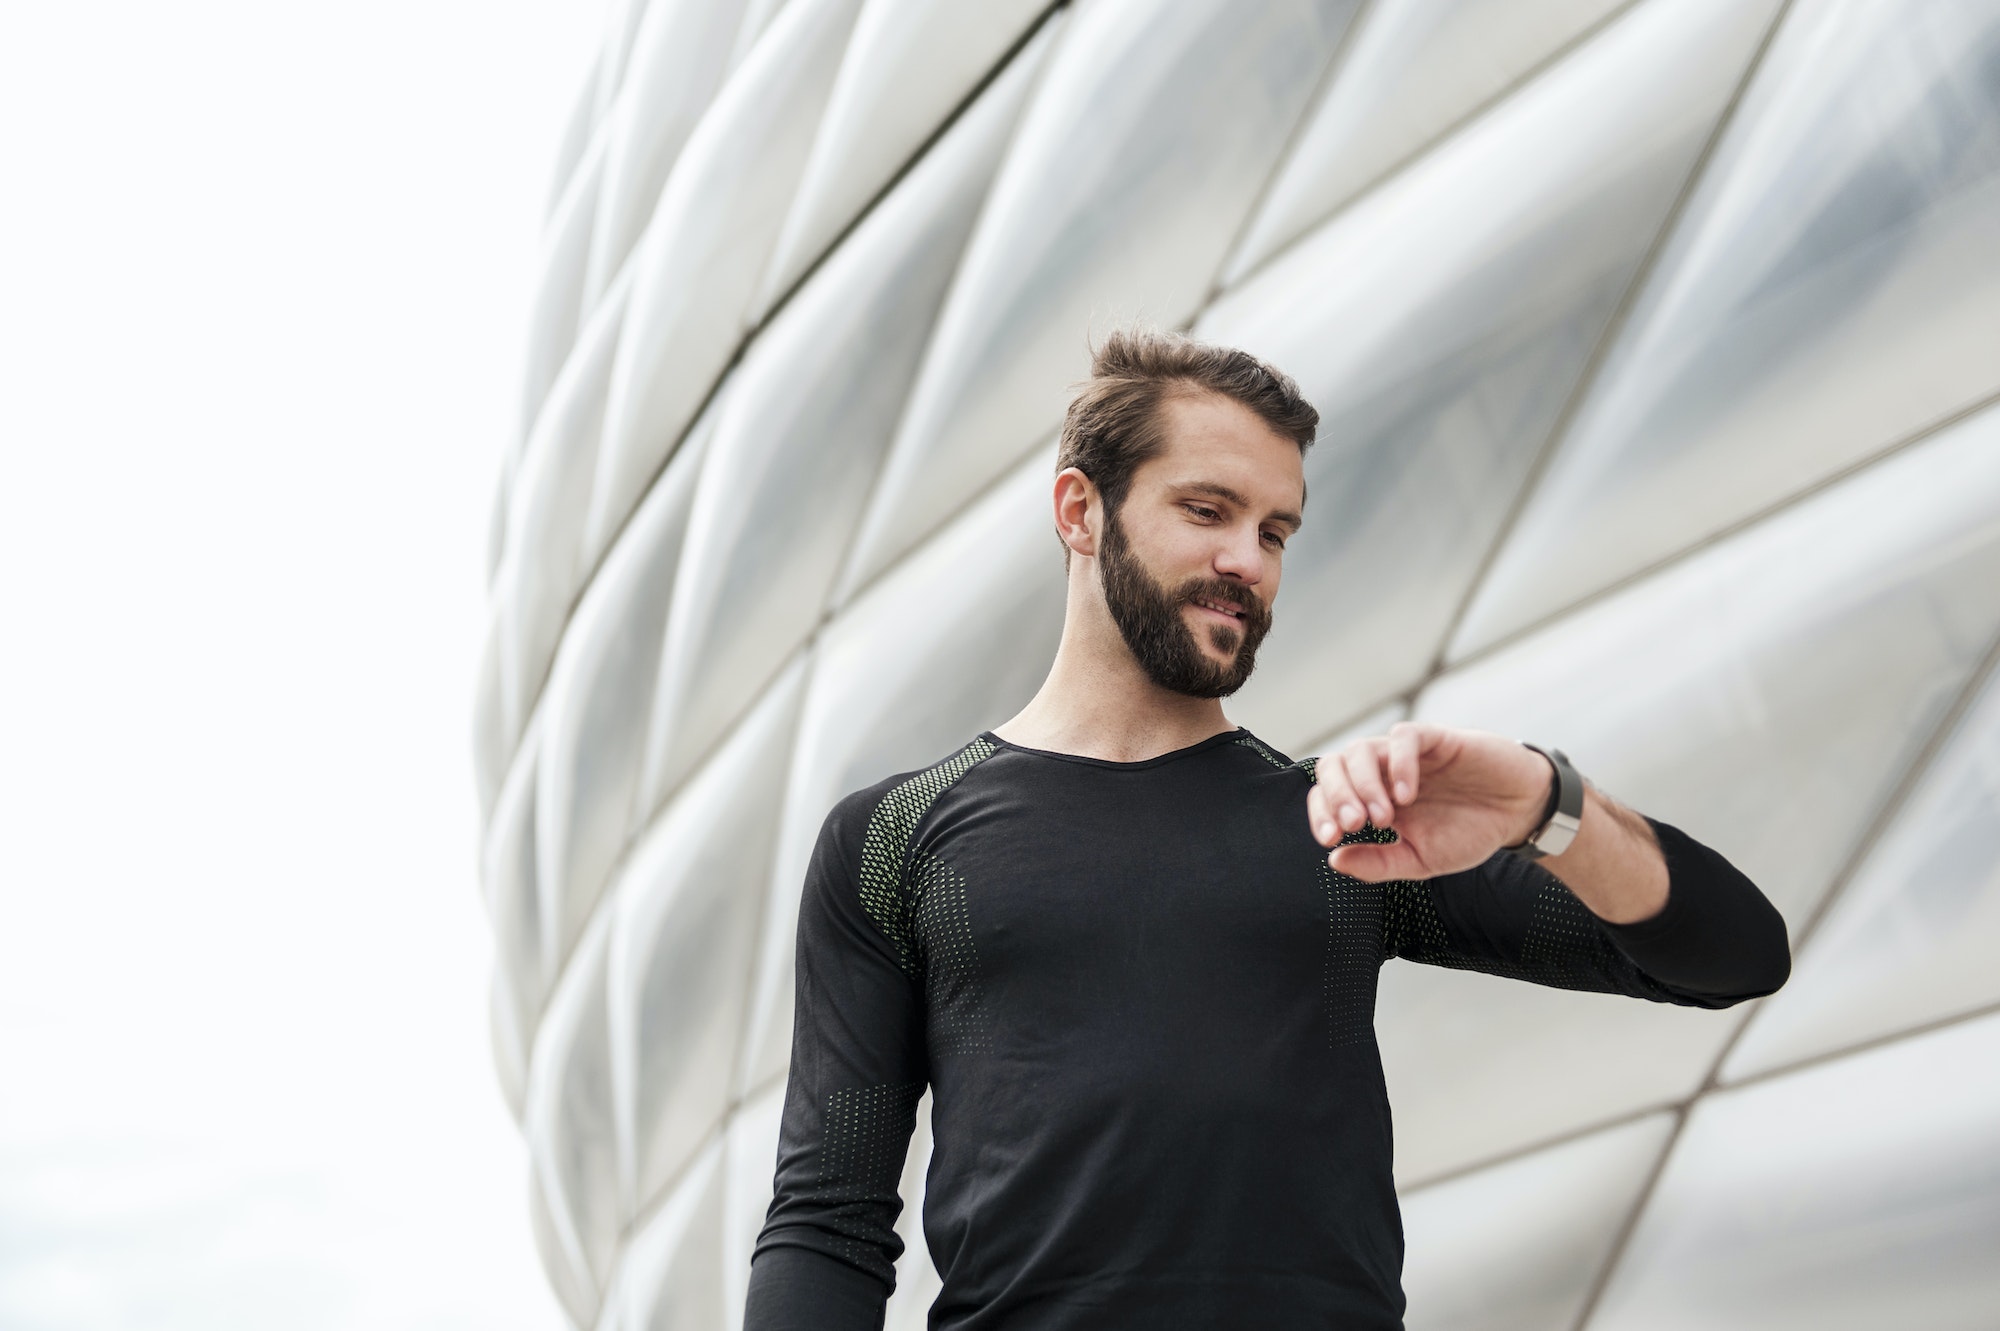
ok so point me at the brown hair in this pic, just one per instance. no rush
(1114, 421)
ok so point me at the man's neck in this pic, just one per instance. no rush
(1098, 703)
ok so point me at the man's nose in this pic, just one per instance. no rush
(1239, 558)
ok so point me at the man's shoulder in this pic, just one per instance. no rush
(1275, 760)
(904, 796)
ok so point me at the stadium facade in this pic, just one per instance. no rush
(1658, 351)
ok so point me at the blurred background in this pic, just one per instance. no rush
(264, 285)
(1657, 346)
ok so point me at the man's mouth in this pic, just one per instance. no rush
(1228, 608)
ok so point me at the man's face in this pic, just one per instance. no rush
(1190, 561)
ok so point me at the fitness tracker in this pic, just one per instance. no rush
(1563, 814)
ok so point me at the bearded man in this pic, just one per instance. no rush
(1132, 950)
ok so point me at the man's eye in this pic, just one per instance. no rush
(1276, 540)
(1205, 514)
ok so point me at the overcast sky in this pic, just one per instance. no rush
(264, 272)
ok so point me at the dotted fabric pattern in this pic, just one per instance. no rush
(1354, 911)
(866, 1136)
(885, 848)
(950, 964)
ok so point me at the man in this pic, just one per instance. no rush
(1109, 936)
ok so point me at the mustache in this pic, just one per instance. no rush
(1215, 589)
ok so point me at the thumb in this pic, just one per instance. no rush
(1377, 863)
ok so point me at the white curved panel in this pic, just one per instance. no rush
(1143, 150)
(671, 1276)
(1412, 68)
(1807, 658)
(757, 20)
(1374, 723)
(1854, 1196)
(593, 722)
(894, 690)
(513, 902)
(793, 456)
(622, 20)
(1830, 290)
(577, 131)
(909, 63)
(569, 1123)
(683, 943)
(558, 310)
(917, 1281)
(543, 566)
(510, 1043)
(750, 1160)
(1538, 1062)
(710, 237)
(1912, 938)
(1441, 326)
(491, 749)
(576, 1294)
(680, 53)
(1517, 1247)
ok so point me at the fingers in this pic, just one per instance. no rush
(1362, 761)
(1332, 804)
(1374, 863)
(1406, 744)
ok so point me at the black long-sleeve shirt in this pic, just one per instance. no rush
(1144, 1005)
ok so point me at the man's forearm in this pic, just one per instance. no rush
(1614, 866)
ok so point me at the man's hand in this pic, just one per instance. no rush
(1454, 797)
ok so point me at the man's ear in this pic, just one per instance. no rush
(1078, 508)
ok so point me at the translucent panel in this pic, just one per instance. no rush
(1147, 142)
(1764, 696)
(575, 1292)
(793, 457)
(1518, 1246)
(1479, 1066)
(593, 722)
(1440, 327)
(1830, 290)
(683, 943)
(510, 1042)
(954, 641)
(1412, 69)
(513, 903)
(622, 20)
(757, 17)
(909, 63)
(543, 568)
(569, 1127)
(1770, 690)
(679, 56)
(697, 268)
(1913, 937)
(1859, 1195)
(576, 137)
(917, 1281)
(491, 745)
(751, 1162)
(557, 309)
(671, 1275)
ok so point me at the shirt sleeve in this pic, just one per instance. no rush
(827, 1254)
(1716, 942)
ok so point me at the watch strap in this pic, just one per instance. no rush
(1565, 813)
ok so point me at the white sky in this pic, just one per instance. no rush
(264, 271)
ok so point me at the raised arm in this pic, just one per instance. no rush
(1632, 905)
(826, 1258)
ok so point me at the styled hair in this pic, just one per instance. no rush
(1114, 422)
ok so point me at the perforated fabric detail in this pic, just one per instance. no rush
(885, 848)
(1354, 935)
(1272, 756)
(866, 1134)
(1567, 948)
(956, 1016)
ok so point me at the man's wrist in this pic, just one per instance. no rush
(1561, 814)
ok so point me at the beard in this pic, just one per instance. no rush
(1149, 617)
